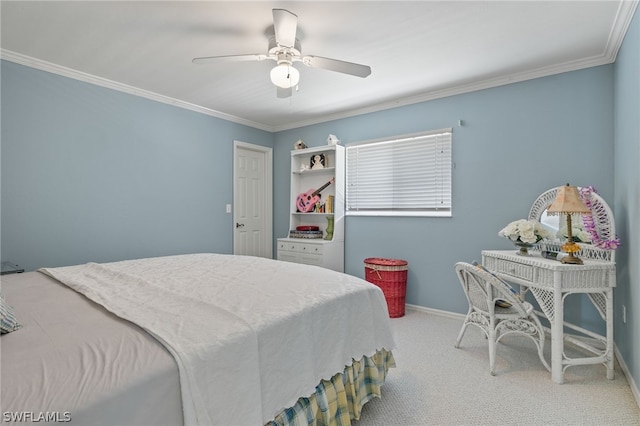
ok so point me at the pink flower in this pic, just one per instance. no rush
(589, 225)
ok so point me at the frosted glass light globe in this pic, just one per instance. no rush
(285, 76)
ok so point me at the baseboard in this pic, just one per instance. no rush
(435, 312)
(632, 384)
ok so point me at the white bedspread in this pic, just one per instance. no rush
(250, 335)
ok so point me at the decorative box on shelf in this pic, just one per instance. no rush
(306, 232)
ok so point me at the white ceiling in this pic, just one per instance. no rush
(417, 50)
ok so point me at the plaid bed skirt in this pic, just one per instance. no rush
(339, 400)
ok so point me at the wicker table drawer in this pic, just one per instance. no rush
(517, 270)
(540, 272)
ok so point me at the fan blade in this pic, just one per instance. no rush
(336, 65)
(285, 93)
(285, 25)
(229, 58)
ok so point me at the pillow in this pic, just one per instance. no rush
(8, 321)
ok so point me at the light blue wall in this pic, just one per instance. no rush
(92, 174)
(626, 204)
(516, 142)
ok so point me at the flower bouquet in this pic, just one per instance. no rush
(524, 234)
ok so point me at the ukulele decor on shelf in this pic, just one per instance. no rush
(307, 200)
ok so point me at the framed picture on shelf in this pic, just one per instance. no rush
(318, 161)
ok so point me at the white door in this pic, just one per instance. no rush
(252, 199)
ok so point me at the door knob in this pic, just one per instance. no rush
(239, 225)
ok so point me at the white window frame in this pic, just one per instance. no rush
(407, 175)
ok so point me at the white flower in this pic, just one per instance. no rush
(577, 231)
(527, 231)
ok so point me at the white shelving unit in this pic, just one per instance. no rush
(314, 251)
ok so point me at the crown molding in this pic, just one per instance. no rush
(619, 29)
(624, 16)
(458, 90)
(39, 64)
(626, 11)
(605, 58)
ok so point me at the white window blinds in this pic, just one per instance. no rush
(403, 176)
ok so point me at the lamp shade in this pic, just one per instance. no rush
(568, 201)
(285, 75)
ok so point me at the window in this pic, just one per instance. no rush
(401, 176)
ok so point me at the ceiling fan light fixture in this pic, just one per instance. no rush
(285, 75)
(285, 49)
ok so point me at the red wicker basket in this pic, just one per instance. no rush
(391, 276)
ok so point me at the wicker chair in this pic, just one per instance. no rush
(496, 310)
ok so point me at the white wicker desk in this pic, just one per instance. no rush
(551, 282)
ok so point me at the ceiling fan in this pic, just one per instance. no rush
(285, 49)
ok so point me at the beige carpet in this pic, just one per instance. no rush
(437, 384)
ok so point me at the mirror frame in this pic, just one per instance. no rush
(602, 218)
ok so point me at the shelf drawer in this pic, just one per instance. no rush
(301, 247)
(301, 252)
(287, 256)
(310, 259)
(310, 248)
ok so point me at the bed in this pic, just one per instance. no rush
(192, 339)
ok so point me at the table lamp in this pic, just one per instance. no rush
(568, 202)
